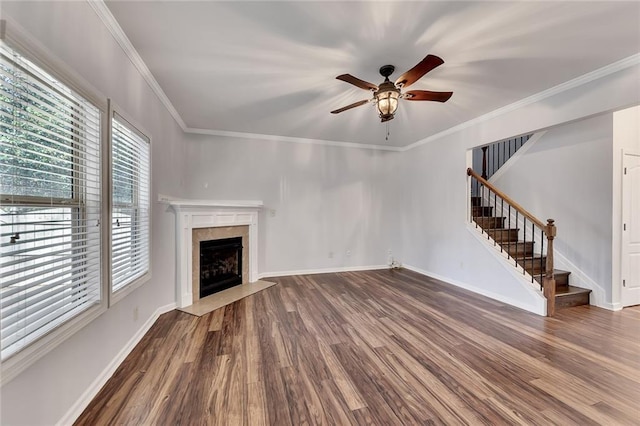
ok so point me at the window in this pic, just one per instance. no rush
(50, 236)
(130, 173)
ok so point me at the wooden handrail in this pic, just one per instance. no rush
(508, 199)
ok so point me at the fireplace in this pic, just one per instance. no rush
(220, 265)
(202, 220)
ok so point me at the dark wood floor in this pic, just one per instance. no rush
(377, 347)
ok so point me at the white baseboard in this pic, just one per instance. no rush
(321, 271)
(611, 306)
(76, 409)
(539, 308)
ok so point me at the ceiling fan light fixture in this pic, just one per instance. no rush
(387, 103)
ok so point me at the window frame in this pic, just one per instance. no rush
(18, 40)
(116, 112)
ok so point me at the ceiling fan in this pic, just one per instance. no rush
(387, 94)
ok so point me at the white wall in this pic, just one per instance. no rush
(325, 199)
(435, 235)
(43, 393)
(566, 175)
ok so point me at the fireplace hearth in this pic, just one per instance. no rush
(220, 265)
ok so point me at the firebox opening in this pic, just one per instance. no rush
(220, 265)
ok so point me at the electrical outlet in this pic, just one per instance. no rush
(272, 213)
(348, 253)
(389, 252)
(330, 255)
(135, 314)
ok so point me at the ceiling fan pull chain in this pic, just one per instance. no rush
(387, 137)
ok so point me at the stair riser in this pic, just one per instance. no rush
(569, 301)
(535, 267)
(476, 201)
(484, 211)
(490, 222)
(519, 249)
(562, 282)
(503, 235)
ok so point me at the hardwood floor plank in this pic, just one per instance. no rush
(252, 346)
(377, 347)
(574, 399)
(217, 317)
(378, 407)
(172, 405)
(256, 404)
(235, 394)
(341, 379)
(196, 335)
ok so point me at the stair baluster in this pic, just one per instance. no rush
(484, 162)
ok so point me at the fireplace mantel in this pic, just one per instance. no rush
(191, 214)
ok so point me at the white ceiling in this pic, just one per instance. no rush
(269, 68)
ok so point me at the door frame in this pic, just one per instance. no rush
(622, 218)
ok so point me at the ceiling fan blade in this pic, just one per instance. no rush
(353, 105)
(414, 74)
(357, 82)
(426, 95)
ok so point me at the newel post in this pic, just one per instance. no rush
(549, 282)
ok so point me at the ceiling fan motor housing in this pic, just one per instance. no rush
(387, 70)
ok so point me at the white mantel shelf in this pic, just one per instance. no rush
(193, 214)
(186, 204)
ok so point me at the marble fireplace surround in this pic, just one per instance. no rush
(204, 216)
(216, 233)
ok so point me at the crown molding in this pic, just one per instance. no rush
(109, 20)
(563, 87)
(119, 35)
(277, 138)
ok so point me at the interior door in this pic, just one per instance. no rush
(631, 229)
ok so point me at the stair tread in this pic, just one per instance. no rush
(560, 272)
(573, 290)
(529, 257)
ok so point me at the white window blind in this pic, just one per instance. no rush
(50, 203)
(130, 173)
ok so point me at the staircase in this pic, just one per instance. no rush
(522, 237)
